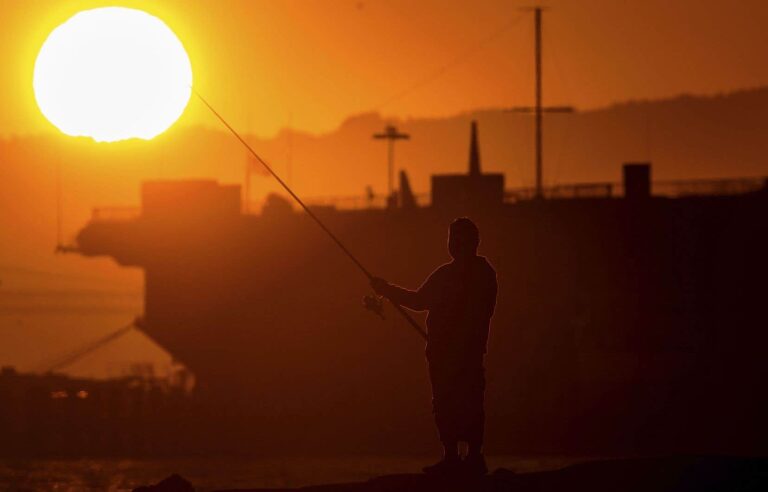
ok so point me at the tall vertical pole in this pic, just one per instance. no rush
(390, 166)
(390, 134)
(539, 170)
(538, 110)
(247, 187)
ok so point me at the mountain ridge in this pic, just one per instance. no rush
(685, 137)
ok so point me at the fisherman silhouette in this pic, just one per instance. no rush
(460, 297)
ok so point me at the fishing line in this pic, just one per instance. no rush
(453, 62)
(309, 212)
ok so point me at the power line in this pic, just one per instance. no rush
(457, 60)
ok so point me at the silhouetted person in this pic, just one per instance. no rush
(460, 297)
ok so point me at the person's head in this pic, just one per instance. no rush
(463, 238)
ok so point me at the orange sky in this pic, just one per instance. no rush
(267, 63)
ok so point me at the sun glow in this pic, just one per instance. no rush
(112, 74)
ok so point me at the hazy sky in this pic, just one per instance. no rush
(267, 64)
(310, 62)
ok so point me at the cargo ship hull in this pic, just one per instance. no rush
(623, 325)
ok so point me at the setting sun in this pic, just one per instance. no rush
(112, 74)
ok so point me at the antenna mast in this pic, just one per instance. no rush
(539, 149)
(538, 110)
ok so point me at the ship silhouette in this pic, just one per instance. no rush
(630, 318)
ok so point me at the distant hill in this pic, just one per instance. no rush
(685, 137)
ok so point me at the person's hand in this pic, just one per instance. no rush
(379, 285)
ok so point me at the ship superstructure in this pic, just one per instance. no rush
(627, 320)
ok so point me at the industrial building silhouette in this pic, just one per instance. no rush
(627, 320)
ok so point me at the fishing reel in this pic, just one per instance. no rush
(374, 304)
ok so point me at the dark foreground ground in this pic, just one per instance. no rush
(669, 474)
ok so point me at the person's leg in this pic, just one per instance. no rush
(475, 422)
(475, 426)
(474, 448)
(443, 394)
(450, 461)
(450, 449)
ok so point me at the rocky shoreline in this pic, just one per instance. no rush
(668, 474)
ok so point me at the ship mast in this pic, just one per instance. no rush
(538, 110)
(537, 22)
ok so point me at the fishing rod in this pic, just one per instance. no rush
(347, 252)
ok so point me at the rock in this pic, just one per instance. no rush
(174, 483)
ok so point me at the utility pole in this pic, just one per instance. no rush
(391, 134)
(538, 110)
(539, 170)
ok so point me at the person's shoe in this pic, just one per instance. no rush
(474, 466)
(446, 466)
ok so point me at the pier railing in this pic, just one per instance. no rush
(581, 190)
(666, 188)
(709, 187)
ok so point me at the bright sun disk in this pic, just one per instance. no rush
(112, 74)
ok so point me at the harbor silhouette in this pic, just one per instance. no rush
(471, 285)
(624, 330)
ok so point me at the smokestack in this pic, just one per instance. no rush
(474, 152)
(407, 199)
(637, 180)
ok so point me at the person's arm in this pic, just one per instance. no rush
(493, 290)
(417, 300)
